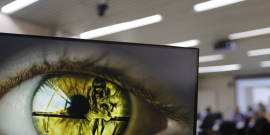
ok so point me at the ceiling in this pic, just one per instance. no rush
(180, 23)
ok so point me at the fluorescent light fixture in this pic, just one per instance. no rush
(211, 58)
(121, 27)
(213, 4)
(189, 43)
(251, 33)
(258, 52)
(221, 68)
(16, 5)
(265, 64)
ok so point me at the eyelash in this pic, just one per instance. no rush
(65, 65)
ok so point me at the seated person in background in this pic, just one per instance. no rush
(250, 112)
(206, 120)
(262, 107)
(261, 125)
(237, 116)
(259, 114)
(204, 114)
(258, 123)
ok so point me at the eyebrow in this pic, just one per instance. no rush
(112, 74)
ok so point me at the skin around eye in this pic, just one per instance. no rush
(167, 90)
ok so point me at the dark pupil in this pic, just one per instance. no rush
(79, 106)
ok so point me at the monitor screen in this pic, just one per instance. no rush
(53, 86)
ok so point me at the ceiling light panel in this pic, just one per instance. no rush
(189, 43)
(251, 33)
(121, 27)
(258, 52)
(265, 64)
(214, 4)
(211, 58)
(221, 68)
(16, 5)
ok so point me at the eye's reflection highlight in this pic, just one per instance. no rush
(69, 103)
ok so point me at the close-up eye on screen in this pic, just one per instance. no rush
(60, 86)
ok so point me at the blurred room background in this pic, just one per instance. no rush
(233, 37)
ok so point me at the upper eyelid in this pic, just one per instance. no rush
(57, 66)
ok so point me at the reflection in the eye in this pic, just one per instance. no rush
(71, 103)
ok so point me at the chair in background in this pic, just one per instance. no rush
(208, 122)
(261, 127)
(228, 128)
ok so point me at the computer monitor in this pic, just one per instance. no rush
(57, 86)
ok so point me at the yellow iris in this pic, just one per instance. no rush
(80, 104)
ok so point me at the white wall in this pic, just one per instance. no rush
(13, 25)
(217, 91)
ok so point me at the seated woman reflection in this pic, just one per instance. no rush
(101, 107)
